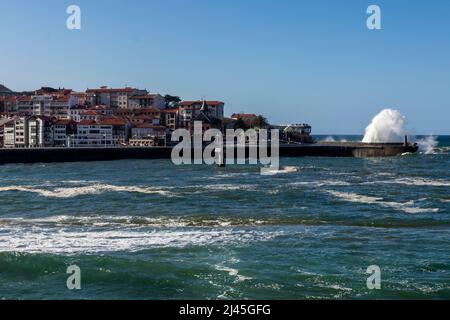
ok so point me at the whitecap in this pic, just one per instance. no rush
(405, 207)
(40, 239)
(233, 273)
(421, 182)
(95, 189)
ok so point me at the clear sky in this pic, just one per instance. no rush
(294, 61)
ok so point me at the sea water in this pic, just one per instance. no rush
(146, 229)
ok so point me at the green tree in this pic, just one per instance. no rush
(171, 101)
(240, 124)
(261, 122)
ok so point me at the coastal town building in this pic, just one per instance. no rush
(146, 101)
(244, 116)
(50, 117)
(171, 118)
(40, 132)
(46, 105)
(92, 134)
(6, 125)
(8, 104)
(9, 136)
(215, 109)
(81, 98)
(62, 131)
(147, 130)
(113, 98)
(190, 111)
(75, 113)
(142, 142)
(16, 133)
(61, 105)
(211, 113)
(90, 115)
(120, 129)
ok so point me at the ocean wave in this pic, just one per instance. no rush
(407, 207)
(224, 187)
(139, 221)
(81, 241)
(95, 189)
(320, 183)
(232, 272)
(201, 222)
(421, 182)
(281, 170)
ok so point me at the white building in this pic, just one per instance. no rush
(15, 133)
(146, 130)
(213, 109)
(39, 132)
(9, 137)
(46, 105)
(62, 131)
(113, 98)
(25, 105)
(147, 101)
(92, 134)
(61, 106)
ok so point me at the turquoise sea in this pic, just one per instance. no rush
(150, 230)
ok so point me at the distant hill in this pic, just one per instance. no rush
(4, 90)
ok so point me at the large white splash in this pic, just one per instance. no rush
(427, 145)
(387, 126)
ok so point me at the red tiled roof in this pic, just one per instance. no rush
(144, 110)
(79, 94)
(148, 96)
(110, 90)
(99, 108)
(64, 122)
(113, 121)
(90, 113)
(243, 115)
(149, 126)
(65, 98)
(209, 103)
(142, 117)
(44, 118)
(86, 122)
(171, 110)
(25, 99)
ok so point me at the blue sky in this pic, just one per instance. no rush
(291, 60)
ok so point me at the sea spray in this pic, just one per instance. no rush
(387, 126)
(427, 145)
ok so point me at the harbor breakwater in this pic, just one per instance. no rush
(340, 149)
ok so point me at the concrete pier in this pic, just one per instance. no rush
(337, 149)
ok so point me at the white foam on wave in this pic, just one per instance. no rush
(100, 221)
(407, 207)
(233, 273)
(320, 183)
(286, 169)
(421, 182)
(81, 241)
(329, 139)
(72, 192)
(132, 221)
(226, 187)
